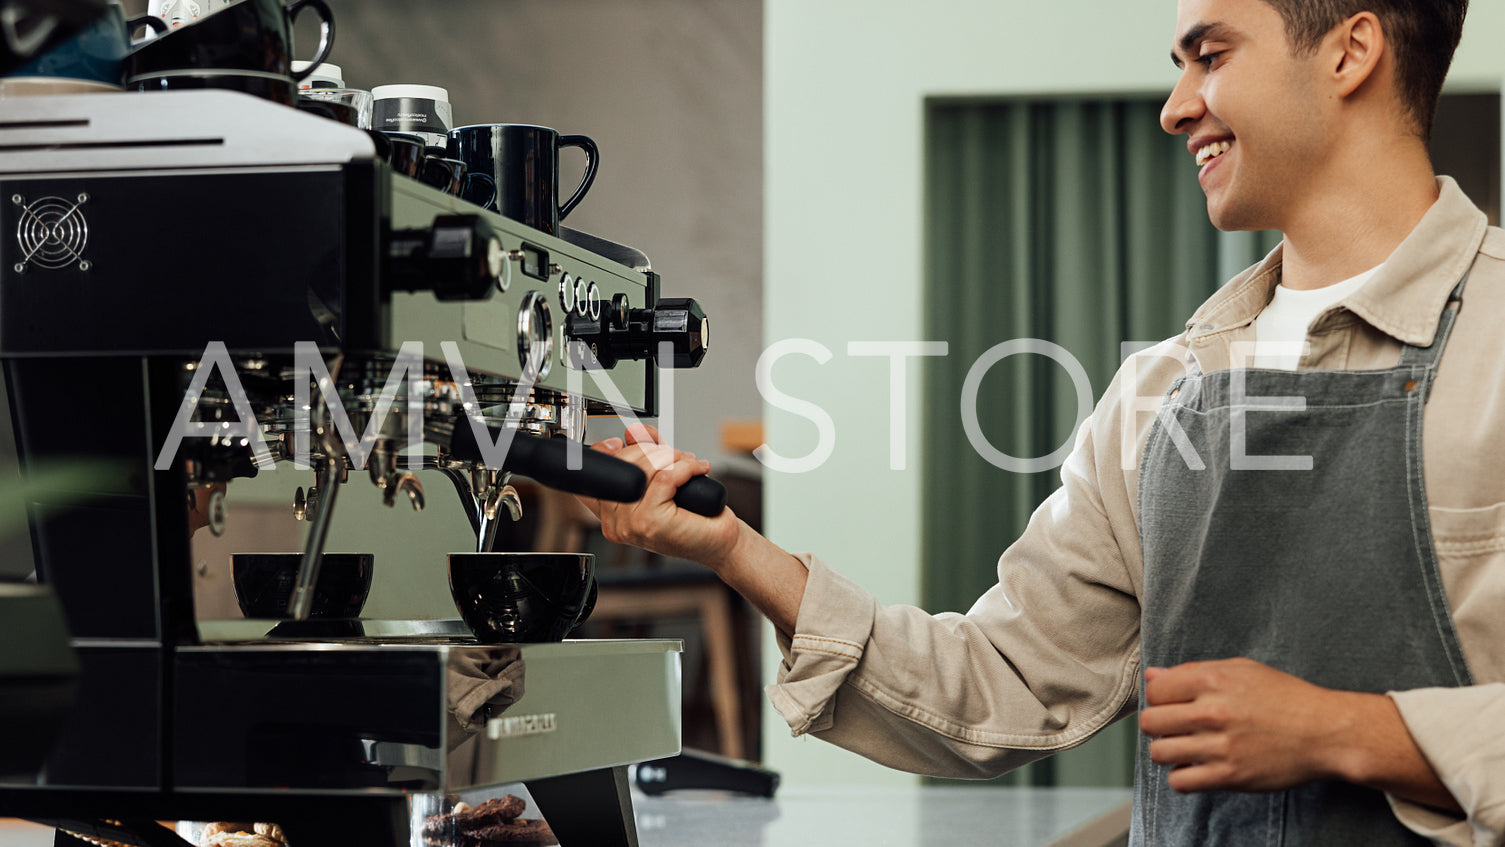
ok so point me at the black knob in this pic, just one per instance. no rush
(617, 313)
(459, 257)
(680, 322)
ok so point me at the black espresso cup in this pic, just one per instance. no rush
(264, 583)
(523, 163)
(406, 155)
(447, 175)
(247, 36)
(522, 597)
(441, 171)
(341, 112)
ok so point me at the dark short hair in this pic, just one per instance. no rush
(1423, 33)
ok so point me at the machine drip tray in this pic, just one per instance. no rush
(419, 713)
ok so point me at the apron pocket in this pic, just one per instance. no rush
(1470, 547)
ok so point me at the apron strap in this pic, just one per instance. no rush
(1430, 355)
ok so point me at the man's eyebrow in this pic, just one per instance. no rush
(1197, 34)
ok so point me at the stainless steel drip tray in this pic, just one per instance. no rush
(259, 630)
(378, 715)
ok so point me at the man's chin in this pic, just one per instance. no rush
(1227, 218)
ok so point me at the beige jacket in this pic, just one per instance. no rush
(1050, 654)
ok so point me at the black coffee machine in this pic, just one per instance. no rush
(188, 300)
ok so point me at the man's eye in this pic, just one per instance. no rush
(1209, 59)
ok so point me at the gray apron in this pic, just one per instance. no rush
(1328, 574)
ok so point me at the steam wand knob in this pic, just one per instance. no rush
(625, 333)
(459, 257)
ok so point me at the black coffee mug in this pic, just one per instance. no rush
(523, 163)
(94, 54)
(249, 36)
(278, 89)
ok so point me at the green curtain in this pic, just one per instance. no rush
(1076, 222)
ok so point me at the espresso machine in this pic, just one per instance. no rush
(202, 291)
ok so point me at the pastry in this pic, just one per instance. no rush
(515, 832)
(492, 822)
(221, 826)
(224, 834)
(493, 811)
(240, 839)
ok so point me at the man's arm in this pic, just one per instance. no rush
(1238, 725)
(770, 578)
(1044, 659)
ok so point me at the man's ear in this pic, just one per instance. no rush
(1356, 46)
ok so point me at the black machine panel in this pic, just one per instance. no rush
(90, 492)
(115, 729)
(168, 252)
(307, 718)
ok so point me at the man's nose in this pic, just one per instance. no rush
(1182, 108)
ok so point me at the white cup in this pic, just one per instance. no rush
(421, 110)
(324, 76)
(179, 12)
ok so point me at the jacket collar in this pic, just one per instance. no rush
(1403, 300)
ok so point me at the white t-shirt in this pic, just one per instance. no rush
(1280, 330)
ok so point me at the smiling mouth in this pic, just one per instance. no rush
(1212, 151)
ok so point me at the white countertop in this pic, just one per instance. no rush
(931, 816)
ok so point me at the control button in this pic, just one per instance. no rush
(535, 337)
(593, 302)
(567, 293)
(580, 297)
(499, 261)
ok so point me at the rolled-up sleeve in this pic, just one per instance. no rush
(1459, 733)
(1045, 658)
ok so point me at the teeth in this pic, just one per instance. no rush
(1212, 151)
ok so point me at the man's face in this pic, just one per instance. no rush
(1251, 111)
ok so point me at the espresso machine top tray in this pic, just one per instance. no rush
(188, 129)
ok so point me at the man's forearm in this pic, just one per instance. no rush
(1383, 755)
(770, 578)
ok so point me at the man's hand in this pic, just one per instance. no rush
(1238, 725)
(771, 579)
(654, 522)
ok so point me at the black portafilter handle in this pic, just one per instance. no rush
(600, 476)
(547, 461)
(701, 495)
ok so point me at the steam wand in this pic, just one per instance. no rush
(313, 550)
(328, 477)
